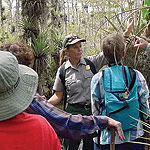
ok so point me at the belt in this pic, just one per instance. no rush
(85, 106)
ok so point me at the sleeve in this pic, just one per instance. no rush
(143, 92)
(148, 47)
(67, 125)
(58, 85)
(96, 94)
(98, 60)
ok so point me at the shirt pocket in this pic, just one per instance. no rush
(72, 87)
(87, 78)
(88, 75)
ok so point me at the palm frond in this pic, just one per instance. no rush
(146, 129)
(40, 44)
(142, 138)
(139, 142)
(142, 122)
(144, 113)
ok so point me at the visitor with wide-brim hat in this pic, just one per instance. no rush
(19, 130)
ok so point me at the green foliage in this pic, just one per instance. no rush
(40, 44)
(143, 65)
(29, 27)
(7, 36)
(48, 40)
(45, 48)
(84, 18)
(147, 2)
(145, 12)
(56, 38)
(90, 53)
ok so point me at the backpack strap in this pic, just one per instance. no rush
(132, 74)
(133, 77)
(62, 77)
(133, 80)
(124, 75)
(62, 74)
(92, 66)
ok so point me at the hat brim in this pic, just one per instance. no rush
(75, 41)
(17, 100)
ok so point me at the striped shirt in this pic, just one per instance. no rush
(66, 125)
(97, 95)
(148, 47)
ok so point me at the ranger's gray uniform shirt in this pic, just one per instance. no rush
(78, 80)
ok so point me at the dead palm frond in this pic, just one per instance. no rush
(146, 129)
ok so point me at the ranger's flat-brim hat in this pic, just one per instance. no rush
(71, 39)
(18, 84)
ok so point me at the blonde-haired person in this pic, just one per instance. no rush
(106, 84)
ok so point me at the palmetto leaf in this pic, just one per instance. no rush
(48, 40)
(29, 27)
(139, 143)
(146, 130)
(45, 45)
(40, 44)
(142, 138)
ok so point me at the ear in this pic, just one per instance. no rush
(65, 50)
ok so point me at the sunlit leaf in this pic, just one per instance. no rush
(147, 2)
(144, 13)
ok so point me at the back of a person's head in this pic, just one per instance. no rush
(22, 51)
(18, 84)
(113, 48)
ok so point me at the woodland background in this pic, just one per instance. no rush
(42, 24)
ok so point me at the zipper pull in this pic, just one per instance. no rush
(126, 94)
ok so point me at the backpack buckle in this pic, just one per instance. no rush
(126, 95)
(86, 106)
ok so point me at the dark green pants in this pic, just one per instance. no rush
(72, 144)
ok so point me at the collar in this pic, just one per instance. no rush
(110, 65)
(68, 64)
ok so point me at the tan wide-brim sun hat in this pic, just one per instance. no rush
(18, 84)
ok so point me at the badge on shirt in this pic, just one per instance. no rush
(87, 67)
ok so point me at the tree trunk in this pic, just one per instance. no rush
(2, 20)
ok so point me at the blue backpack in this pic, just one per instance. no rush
(121, 95)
